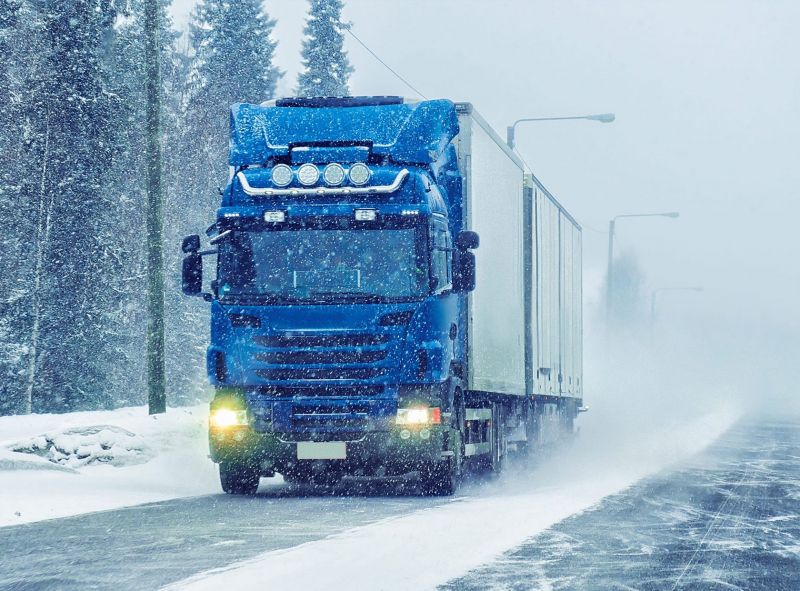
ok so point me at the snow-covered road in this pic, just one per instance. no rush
(283, 538)
(728, 519)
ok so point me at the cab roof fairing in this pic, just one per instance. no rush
(406, 133)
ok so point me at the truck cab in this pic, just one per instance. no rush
(338, 317)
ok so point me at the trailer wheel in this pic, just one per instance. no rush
(238, 479)
(567, 413)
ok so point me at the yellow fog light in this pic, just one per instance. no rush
(222, 418)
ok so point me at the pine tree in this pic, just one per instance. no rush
(231, 62)
(326, 67)
(67, 149)
(233, 55)
(13, 243)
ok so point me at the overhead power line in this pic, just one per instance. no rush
(347, 26)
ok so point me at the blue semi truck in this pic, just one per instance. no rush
(395, 296)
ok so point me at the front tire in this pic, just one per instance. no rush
(237, 479)
(441, 479)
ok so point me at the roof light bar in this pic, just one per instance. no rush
(321, 191)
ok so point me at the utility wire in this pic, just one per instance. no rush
(347, 27)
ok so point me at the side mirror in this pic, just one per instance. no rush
(192, 281)
(191, 243)
(464, 271)
(467, 240)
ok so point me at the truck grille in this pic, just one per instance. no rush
(321, 357)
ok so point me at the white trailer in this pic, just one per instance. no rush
(525, 315)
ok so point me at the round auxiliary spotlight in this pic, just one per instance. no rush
(281, 175)
(333, 174)
(308, 174)
(359, 174)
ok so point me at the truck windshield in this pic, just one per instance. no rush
(312, 265)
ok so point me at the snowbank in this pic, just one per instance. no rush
(88, 445)
(65, 464)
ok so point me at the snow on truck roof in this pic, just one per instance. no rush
(413, 132)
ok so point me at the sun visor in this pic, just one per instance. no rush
(413, 133)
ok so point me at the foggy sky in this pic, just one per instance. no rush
(706, 97)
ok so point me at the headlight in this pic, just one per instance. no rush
(333, 174)
(308, 174)
(223, 418)
(359, 174)
(419, 416)
(281, 175)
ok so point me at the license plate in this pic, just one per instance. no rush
(321, 450)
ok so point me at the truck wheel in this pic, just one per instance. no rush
(237, 479)
(567, 411)
(441, 479)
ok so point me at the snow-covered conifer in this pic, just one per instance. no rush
(231, 62)
(67, 132)
(326, 67)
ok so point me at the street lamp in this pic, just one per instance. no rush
(660, 289)
(611, 226)
(510, 130)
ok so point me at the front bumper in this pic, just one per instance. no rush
(391, 452)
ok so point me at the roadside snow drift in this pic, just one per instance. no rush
(65, 464)
(77, 447)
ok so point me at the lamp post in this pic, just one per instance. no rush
(511, 129)
(610, 271)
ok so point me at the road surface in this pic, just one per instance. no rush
(729, 520)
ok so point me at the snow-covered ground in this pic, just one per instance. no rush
(429, 547)
(91, 461)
